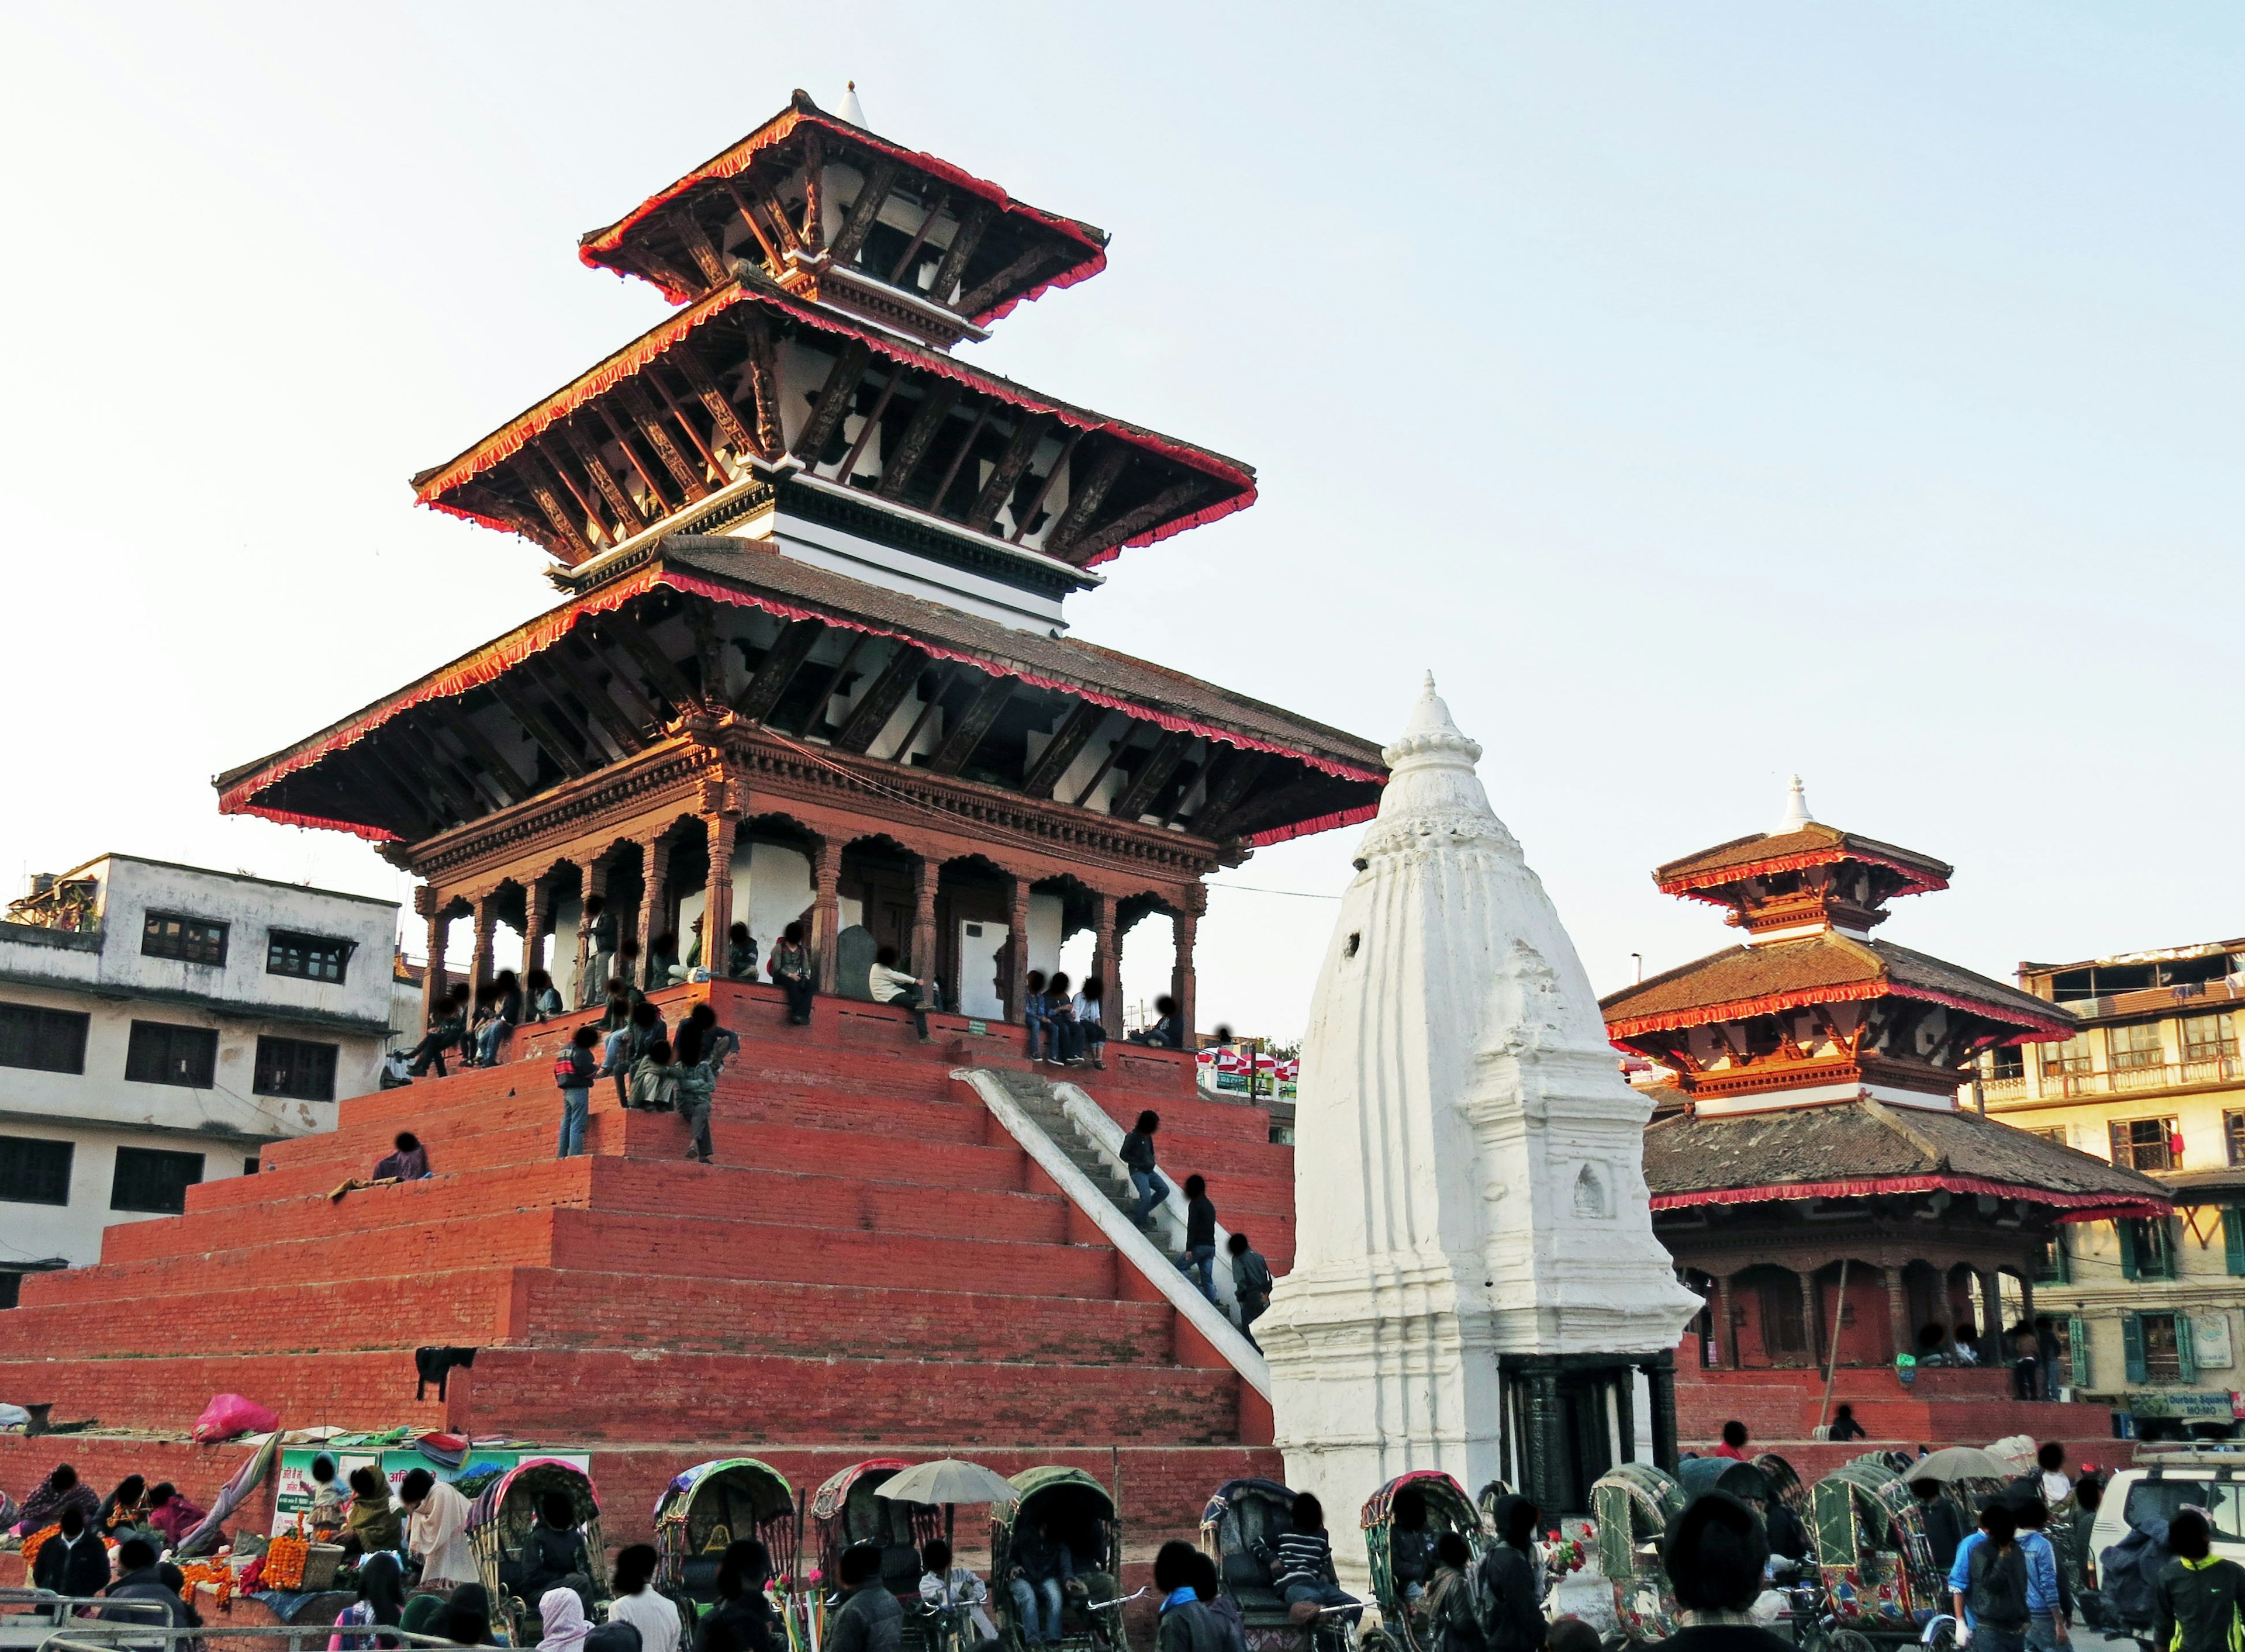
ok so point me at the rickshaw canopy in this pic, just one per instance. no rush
(537, 1476)
(848, 1511)
(1698, 1474)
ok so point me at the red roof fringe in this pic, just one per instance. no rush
(738, 158)
(1839, 993)
(2080, 1207)
(495, 659)
(1924, 882)
(1310, 828)
(511, 437)
(288, 817)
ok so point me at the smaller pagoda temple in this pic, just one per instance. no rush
(1811, 1170)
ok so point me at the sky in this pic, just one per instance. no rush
(1704, 394)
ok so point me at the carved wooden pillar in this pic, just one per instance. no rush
(593, 881)
(479, 960)
(1102, 943)
(1181, 978)
(1810, 1319)
(1899, 1329)
(926, 871)
(718, 894)
(1991, 1318)
(655, 860)
(826, 910)
(537, 918)
(1017, 949)
(1727, 1346)
(430, 905)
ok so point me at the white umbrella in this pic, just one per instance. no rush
(1956, 1462)
(948, 1479)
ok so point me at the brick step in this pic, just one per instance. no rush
(1185, 1117)
(549, 1308)
(657, 1185)
(666, 1395)
(169, 1392)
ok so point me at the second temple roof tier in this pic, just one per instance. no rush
(874, 680)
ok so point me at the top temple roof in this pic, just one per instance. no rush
(1727, 865)
(808, 190)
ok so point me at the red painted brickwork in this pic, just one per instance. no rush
(870, 1261)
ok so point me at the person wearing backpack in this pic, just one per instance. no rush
(1250, 1284)
(573, 1071)
(1454, 1606)
(1989, 1584)
(2199, 1598)
(1511, 1580)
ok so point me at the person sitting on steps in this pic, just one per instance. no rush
(890, 985)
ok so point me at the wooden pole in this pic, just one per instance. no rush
(1832, 1364)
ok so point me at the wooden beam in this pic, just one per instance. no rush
(550, 738)
(918, 240)
(878, 703)
(1044, 489)
(575, 726)
(661, 671)
(511, 780)
(776, 212)
(1068, 742)
(699, 247)
(701, 625)
(817, 711)
(1084, 502)
(966, 451)
(951, 678)
(376, 773)
(833, 401)
(704, 383)
(629, 515)
(663, 272)
(763, 362)
(773, 262)
(641, 712)
(662, 505)
(866, 211)
(1016, 274)
(670, 405)
(963, 243)
(550, 503)
(872, 424)
(454, 791)
(1226, 785)
(1114, 756)
(1310, 795)
(814, 189)
(600, 714)
(777, 668)
(966, 731)
(472, 793)
(1000, 487)
(649, 423)
(1154, 774)
(1155, 511)
(911, 447)
(592, 511)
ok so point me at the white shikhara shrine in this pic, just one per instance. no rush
(1476, 1286)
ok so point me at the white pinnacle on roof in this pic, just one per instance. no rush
(1796, 810)
(1469, 1160)
(851, 110)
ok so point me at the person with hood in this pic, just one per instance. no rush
(743, 1621)
(1230, 1623)
(140, 1579)
(2198, 1599)
(562, 1626)
(1453, 1603)
(1511, 1579)
(423, 1615)
(1186, 1624)
(435, 1529)
(2131, 1570)
(467, 1616)
(125, 1508)
(553, 1554)
(373, 1518)
(61, 1489)
(868, 1619)
(381, 1604)
(75, 1562)
(640, 1604)
(1991, 1584)
(172, 1513)
(1715, 1553)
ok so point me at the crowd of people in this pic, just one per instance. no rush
(1250, 1273)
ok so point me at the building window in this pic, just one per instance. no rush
(2158, 1348)
(2232, 1131)
(47, 1040)
(2056, 1135)
(2009, 1061)
(2073, 1056)
(314, 958)
(295, 1068)
(2133, 1046)
(2207, 1038)
(162, 1053)
(197, 940)
(2147, 1247)
(2054, 1267)
(2145, 1144)
(151, 1180)
(34, 1172)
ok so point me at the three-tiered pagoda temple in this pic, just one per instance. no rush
(811, 641)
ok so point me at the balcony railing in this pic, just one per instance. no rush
(2168, 1075)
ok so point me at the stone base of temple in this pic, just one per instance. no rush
(870, 1266)
(1569, 1417)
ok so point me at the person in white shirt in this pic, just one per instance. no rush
(655, 1616)
(890, 985)
(437, 1522)
(944, 1586)
(2051, 1459)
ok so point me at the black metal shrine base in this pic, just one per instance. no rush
(1569, 1417)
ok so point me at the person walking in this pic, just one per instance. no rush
(791, 968)
(1186, 1624)
(1714, 1553)
(1200, 1237)
(1989, 1584)
(2049, 1592)
(744, 1620)
(870, 1619)
(1251, 1285)
(890, 985)
(1137, 1156)
(1511, 1578)
(700, 1052)
(653, 1613)
(1734, 1443)
(2197, 1597)
(1844, 1425)
(1454, 1604)
(75, 1562)
(574, 1069)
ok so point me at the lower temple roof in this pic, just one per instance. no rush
(1856, 1149)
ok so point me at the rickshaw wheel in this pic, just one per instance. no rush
(1857, 1640)
(1379, 1640)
